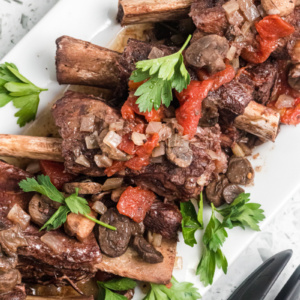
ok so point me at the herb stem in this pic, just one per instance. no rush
(185, 44)
(100, 223)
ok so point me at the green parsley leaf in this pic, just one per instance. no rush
(106, 288)
(43, 186)
(18, 89)
(241, 213)
(120, 284)
(73, 203)
(77, 205)
(178, 291)
(189, 223)
(164, 74)
(57, 219)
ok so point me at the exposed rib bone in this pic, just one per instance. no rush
(142, 11)
(259, 120)
(83, 63)
(31, 147)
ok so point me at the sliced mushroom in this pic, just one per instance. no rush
(231, 191)
(146, 251)
(7, 262)
(18, 216)
(240, 171)
(114, 243)
(11, 239)
(214, 191)
(8, 280)
(294, 77)
(210, 114)
(116, 194)
(40, 211)
(208, 52)
(85, 188)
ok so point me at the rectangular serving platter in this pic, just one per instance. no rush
(278, 164)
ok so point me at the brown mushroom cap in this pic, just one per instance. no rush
(208, 52)
(240, 171)
(214, 191)
(231, 191)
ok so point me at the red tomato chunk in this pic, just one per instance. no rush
(135, 202)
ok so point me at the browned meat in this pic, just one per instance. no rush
(146, 251)
(209, 16)
(136, 51)
(209, 114)
(69, 112)
(18, 293)
(163, 218)
(173, 182)
(73, 258)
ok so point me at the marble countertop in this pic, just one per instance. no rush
(17, 17)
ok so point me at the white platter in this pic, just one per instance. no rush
(94, 20)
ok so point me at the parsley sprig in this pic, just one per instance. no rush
(240, 213)
(163, 74)
(22, 92)
(106, 289)
(72, 203)
(178, 291)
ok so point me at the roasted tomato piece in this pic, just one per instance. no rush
(147, 148)
(130, 107)
(190, 99)
(291, 116)
(56, 172)
(117, 166)
(135, 202)
(137, 163)
(127, 145)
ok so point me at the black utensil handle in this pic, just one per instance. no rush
(259, 283)
(291, 290)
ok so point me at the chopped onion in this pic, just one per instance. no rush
(245, 28)
(18, 216)
(33, 167)
(159, 151)
(116, 125)
(112, 139)
(77, 151)
(98, 197)
(178, 263)
(261, 11)
(87, 123)
(273, 11)
(235, 18)
(55, 241)
(236, 63)
(99, 207)
(202, 180)
(112, 183)
(285, 101)
(155, 53)
(245, 149)
(249, 9)
(231, 53)
(153, 127)
(157, 238)
(91, 141)
(231, 6)
(82, 160)
(150, 236)
(116, 194)
(237, 150)
(102, 161)
(165, 133)
(213, 155)
(138, 138)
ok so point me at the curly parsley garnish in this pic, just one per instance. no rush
(163, 74)
(72, 203)
(23, 93)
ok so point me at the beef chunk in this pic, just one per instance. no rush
(173, 182)
(18, 293)
(146, 251)
(136, 51)
(75, 259)
(163, 218)
(209, 17)
(68, 113)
